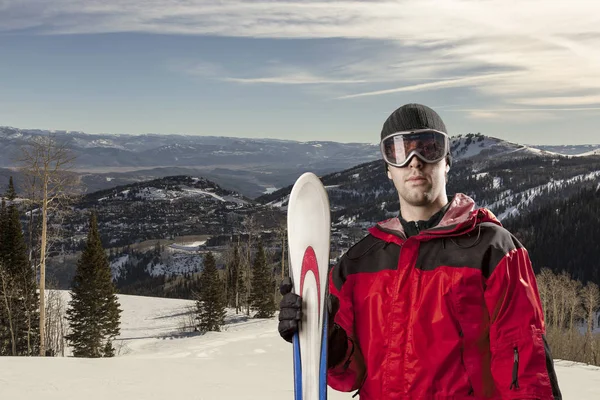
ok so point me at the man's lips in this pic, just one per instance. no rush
(416, 178)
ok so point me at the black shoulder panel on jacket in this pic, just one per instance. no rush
(482, 248)
(368, 255)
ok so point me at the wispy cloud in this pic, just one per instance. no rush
(433, 85)
(276, 74)
(301, 79)
(520, 114)
(517, 110)
(454, 43)
(559, 101)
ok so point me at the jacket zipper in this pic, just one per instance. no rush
(515, 373)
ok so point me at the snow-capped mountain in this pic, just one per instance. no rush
(250, 166)
(571, 150)
(510, 181)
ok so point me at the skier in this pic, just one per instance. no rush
(440, 302)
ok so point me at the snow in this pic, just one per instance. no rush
(590, 153)
(530, 194)
(193, 192)
(194, 246)
(155, 361)
(116, 265)
(497, 182)
(153, 193)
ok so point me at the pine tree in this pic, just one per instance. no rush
(210, 303)
(19, 301)
(11, 193)
(262, 296)
(94, 313)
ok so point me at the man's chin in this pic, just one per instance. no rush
(418, 199)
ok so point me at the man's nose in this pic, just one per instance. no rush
(415, 162)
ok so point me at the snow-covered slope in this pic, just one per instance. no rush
(478, 145)
(246, 361)
(526, 197)
(590, 153)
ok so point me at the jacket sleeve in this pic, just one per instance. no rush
(521, 364)
(346, 370)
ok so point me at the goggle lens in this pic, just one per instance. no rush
(431, 146)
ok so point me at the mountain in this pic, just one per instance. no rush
(570, 150)
(507, 185)
(250, 166)
(105, 159)
(180, 214)
(166, 207)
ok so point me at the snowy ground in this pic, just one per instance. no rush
(247, 361)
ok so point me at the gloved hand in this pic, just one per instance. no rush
(290, 314)
(290, 310)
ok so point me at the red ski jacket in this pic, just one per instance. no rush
(451, 313)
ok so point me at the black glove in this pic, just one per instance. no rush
(290, 310)
(290, 314)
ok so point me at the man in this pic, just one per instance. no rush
(439, 303)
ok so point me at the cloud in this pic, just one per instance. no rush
(518, 110)
(516, 116)
(559, 101)
(552, 45)
(519, 114)
(293, 80)
(278, 74)
(432, 85)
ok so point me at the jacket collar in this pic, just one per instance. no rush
(461, 216)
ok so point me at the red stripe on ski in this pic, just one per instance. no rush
(309, 263)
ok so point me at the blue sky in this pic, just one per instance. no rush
(525, 71)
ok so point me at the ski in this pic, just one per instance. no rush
(308, 225)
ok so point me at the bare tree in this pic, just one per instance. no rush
(561, 288)
(56, 327)
(544, 282)
(591, 303)
(251, 228)
(47, 164)
(573, 292)
(7, 288)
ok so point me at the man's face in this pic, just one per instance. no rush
(418, 183)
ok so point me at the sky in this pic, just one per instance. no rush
(526, 71)
(155, 361)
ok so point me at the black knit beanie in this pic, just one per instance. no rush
(414, 116)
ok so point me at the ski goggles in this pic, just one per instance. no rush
(428, 145)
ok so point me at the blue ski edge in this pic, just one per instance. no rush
(297, 368)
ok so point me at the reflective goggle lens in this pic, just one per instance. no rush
(431, 146)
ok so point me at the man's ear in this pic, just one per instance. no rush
(389, 174)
